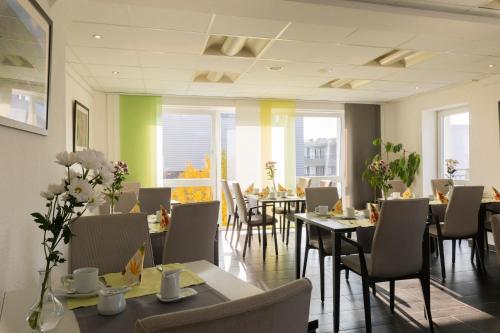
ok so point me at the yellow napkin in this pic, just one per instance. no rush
(165, 219)
(374, 214)
(407, 194)
(496, 195)
(281, 188)
(441, 197)
(151, 282)
(300, 192)
(249, 190)
(265, 192)
(133, 271)
(337, 208)
(136, 208)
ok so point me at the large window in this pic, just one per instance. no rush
(318, 145)
(453, 139)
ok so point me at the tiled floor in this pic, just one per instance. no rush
(468, 302)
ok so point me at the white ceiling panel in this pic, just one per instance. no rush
(161, 59)
(124, 72)
(281, 79)
(169, 41)
(437, 43)
(226, 64)
(101, 56)
(159, 18)
(70, 55)
(432, 76)
(386, 86)
(81, 34)
(450, 61)
(377, 38)
(371, 72)
(301, 68)
(165, 84)
(316, 33)
(110, 83)
(246, 26)
(80, 69)
(167, 74)
(489, 48)
(102, 12)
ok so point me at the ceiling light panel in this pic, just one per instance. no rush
(169, 41)
(316, 33)
(246, 26)
(345, 83)
(160, 18)
(401, 58)
(377, 38)
(215, 77)
(235, 46)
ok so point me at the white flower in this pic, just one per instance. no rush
(88, 159)
(107, 177)
(66, 159)
(80, 189)
(57, 189)
(74, 174)
(95, 200)
(47, 195)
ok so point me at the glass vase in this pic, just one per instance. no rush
(46, 313)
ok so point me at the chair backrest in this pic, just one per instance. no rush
(229, 197)
(303, 182)
(397, 186)
(240, 202)
(109, 241)
(191, 235)
(325, 183)
(397, 242)
(124, 204)
(461, 217)
(442, 185)
(495, 227)
(281, 310)
(132, 187)
(151, 199)
(321, 196)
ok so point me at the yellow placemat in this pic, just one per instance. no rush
(356, 223)
(150, 284)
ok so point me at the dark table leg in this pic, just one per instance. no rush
(426, 278)
(298, 243)
(336, 281)
(481, 241)
(264, 238)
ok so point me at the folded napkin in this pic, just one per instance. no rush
(136, 208)
(133, 271)
(249, 190)
(337, 208)
(496, 195)
(165, 219)
(265, 192)
(374, 214)
(441, 197)
(300, 192)
(281, 188)
(407, 194)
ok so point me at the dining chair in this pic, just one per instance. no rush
(251, 217)
(192, 233)
(442, 185)
(281, 310)
(495, 228)
(125, 203)
(151, 199)
(108, 242)
(320, 239)
(460, 221)
(325, 183)
(231, 209)
(401, 225)
(288, 214)
(396, 186)
(131, 187)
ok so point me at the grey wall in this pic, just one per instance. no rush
(362, 125)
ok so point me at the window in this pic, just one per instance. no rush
(318, 144)
(453, 136)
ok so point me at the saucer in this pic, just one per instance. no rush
(184, 293)
(65, 292)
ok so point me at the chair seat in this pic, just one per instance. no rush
(257, 220)
(354, 264)
(345, 248)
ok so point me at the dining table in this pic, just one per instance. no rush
(16, 303)
(264, 202)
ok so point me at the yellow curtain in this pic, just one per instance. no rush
(278, 114)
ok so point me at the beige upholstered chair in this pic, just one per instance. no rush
(495, 227)
(252, 218)
(325, 183)
(192, 231)
(303, 182)
(109, 241)
(401, 226)
(397, 186)
(151, 199)
(132, 187)
(442, 185)
(460, 220)
(281, 310)
(231, 209)
(124, 204)
(319, 239)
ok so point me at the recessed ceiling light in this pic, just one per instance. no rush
(491, 65)
(275, 68)
(97, 36)
(417, 88)
(115, 72)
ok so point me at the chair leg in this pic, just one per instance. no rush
(240, 225)
(366, 301)
(374, 289)
(436, 242)
(275, 240)
(258, 232)
(287, 232)
(227, 225)
(306, 255)
(441, 259)
(392, 286)
(472, 252)
(322, 275)
(426, 291)
(247, 238)
(479, 258)
(453, 249)
(347, 274)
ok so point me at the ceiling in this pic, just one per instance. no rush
(156, 47)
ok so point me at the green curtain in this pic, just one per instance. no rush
(139, 121)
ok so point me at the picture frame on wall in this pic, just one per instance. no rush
(25, 66)
(81, 126)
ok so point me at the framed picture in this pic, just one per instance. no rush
(80, 127)
(25, 56)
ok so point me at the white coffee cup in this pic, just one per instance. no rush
(170, 284)
(366, 212)
(395, 195)
(83, 280)
(272, 195)
(112, 301)
(349, 212)
(321, 210)
(256, 191)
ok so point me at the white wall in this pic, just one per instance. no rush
(403, 122)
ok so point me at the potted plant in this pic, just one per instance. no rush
(114, 190)
(271, 173)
